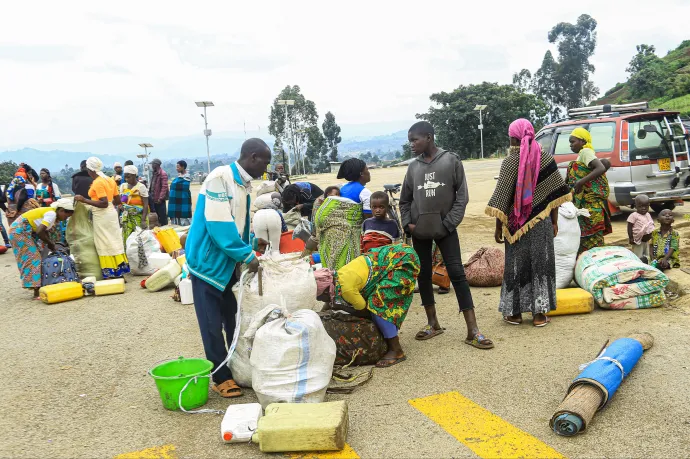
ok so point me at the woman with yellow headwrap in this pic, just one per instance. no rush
(587, 178)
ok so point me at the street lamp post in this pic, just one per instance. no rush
(286, 103)
(145, 159)
(207, 131)
(479, 109)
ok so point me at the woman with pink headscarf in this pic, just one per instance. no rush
(525, 205)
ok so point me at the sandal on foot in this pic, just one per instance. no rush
(443, 291)
(512, 321)
(228, 389)
(541, 324)
(427, 333)
(385, 363)
(480, 342)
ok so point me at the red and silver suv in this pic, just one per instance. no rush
(648, 151)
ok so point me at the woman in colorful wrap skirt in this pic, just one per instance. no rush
(135, 203)
(382, 282)
(31, 232)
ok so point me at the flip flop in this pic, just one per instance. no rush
(477, 342)
(512, 321)
(427, 333)
(228, 389)
(392, 362)
(542, 324)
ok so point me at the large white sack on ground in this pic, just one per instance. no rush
(566, 244)
(285, 277)
(263, 202)
(293, 356)
(267, 186)
(141, 244)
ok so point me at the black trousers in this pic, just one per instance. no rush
(450, 250)
(215, 311)
(162, 211)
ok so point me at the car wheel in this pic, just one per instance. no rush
(659, 206)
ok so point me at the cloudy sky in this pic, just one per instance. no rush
(72, 71)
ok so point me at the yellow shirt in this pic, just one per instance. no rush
(586, 156)
(352, 278)
(45, 216)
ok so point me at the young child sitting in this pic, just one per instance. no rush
(379, 230)
(665, 243)
(332, 191)
(640, 227)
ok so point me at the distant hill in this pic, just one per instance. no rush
(55, 160)
(662, 81)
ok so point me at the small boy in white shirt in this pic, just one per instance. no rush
(640, 227)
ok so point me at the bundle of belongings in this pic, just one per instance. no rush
(619, 280)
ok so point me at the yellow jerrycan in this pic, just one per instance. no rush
(572, 301)
(109, 287)
(289, 427)
(57, 293)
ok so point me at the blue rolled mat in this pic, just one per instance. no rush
(606, 374)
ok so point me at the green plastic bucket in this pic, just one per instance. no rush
(172, 376)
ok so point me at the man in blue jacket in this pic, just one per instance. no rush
(218, 241)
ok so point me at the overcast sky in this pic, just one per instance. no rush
(73, 71)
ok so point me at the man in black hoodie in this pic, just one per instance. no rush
(81, 181)
(433, 200)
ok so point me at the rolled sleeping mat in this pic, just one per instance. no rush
(597, 383)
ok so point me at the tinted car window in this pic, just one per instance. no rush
(648, 145)
(545, 139)
(603, 135)
(563, 141)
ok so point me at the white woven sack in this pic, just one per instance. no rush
(284, 278)
(293, 356)
(267, 186)
(566, 244)
(149, 246)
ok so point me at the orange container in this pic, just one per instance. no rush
(289, 245)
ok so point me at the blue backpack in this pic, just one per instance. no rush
(58, 267)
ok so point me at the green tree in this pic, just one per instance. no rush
(522, 80)
(544, 85)
(407, 151)
(300, 117)
(576, 44)
(455, 120)
(7, 170)
(331, 132)
(316, 147)
(650, 77)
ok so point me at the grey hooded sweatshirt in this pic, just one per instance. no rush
(434, 195)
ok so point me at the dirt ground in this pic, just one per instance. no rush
(76, 382)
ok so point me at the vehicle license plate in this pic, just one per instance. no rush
(664, 164)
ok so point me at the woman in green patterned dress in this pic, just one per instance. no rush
(382, 282)
(338, 223)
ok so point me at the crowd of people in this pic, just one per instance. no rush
(371, 265)
(37, 212)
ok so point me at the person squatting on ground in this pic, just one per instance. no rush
(104, 197)
(381, 282)
(180, 204)
(379, 230)
(640, 227)
(665, 243)
(433, 200)
(218, 242)
(525, 204)
(586, 176)
(158, 192)
(31, 232)
(301, 196)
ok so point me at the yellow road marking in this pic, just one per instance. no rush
(346, 453)
(486, 434)
(158, 452)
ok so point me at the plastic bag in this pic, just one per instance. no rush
(485, 268)
(141, 244)
(284, 278)
(293, 356)
(79, 236)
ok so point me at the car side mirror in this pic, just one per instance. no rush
(641, 134)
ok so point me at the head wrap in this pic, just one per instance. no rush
(583, 134)
(528, 172)
(117, 165)
(351, 169)
(21, 172)
(156, 161)
(131, 170)
(63, 203)
(96, 165)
